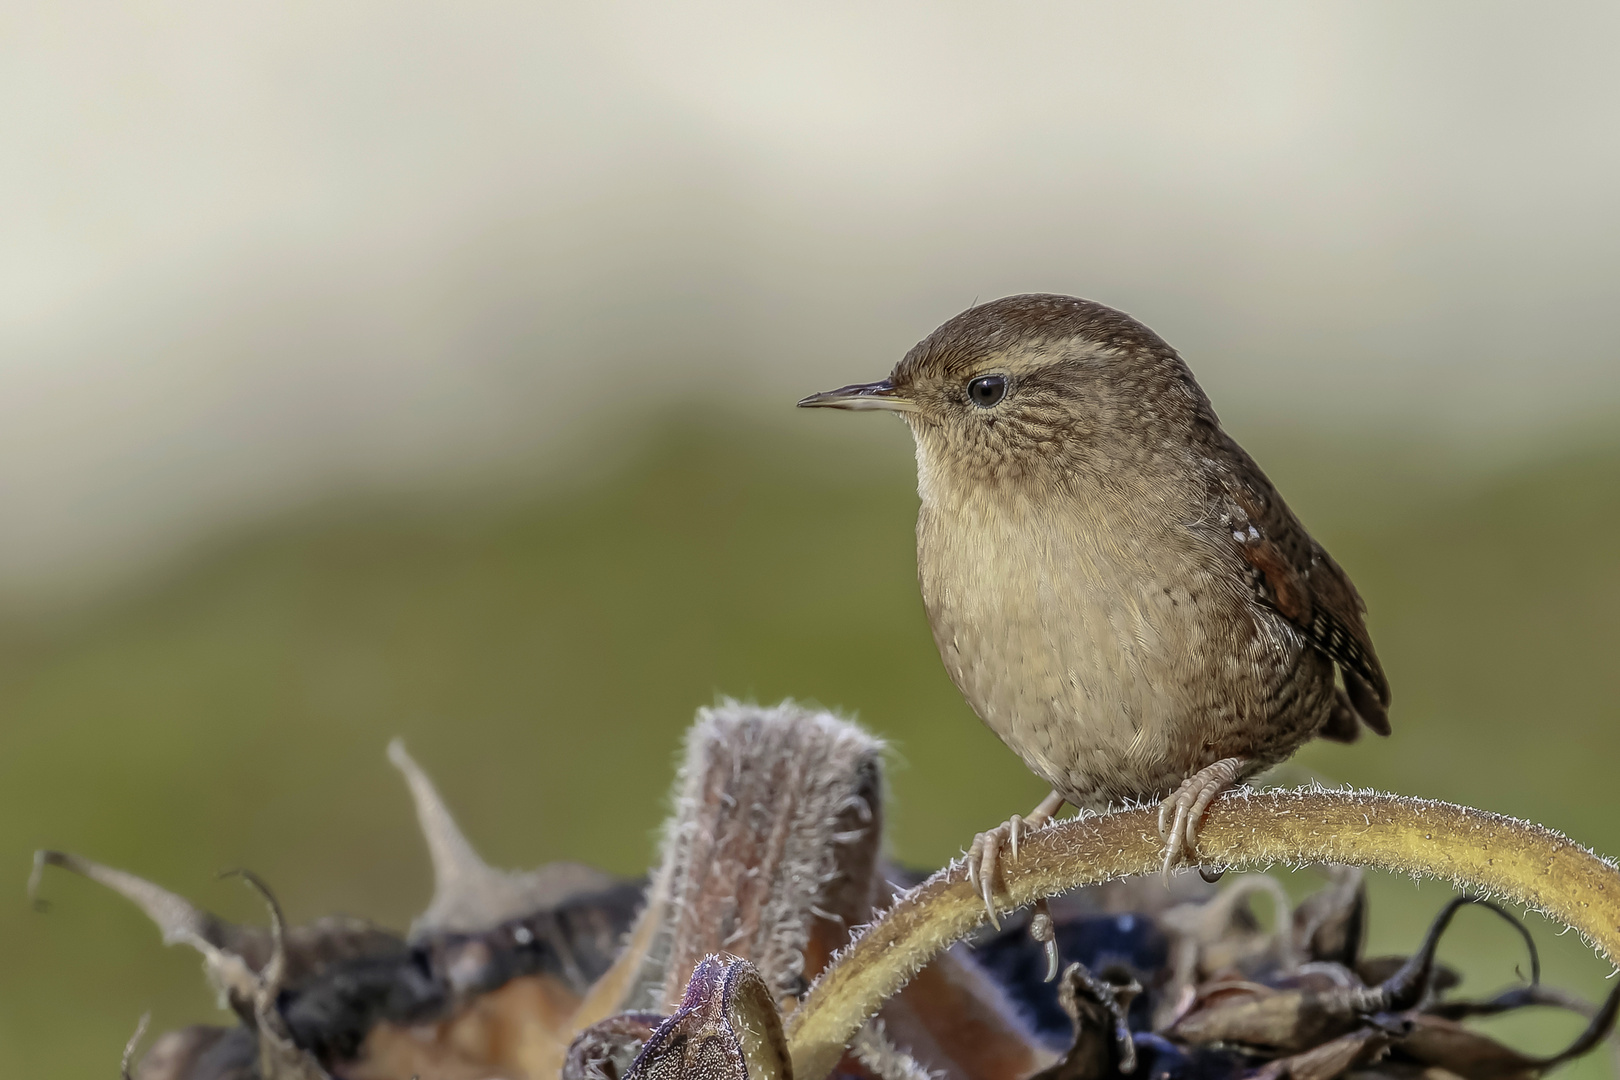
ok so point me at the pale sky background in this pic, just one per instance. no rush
(251, 253)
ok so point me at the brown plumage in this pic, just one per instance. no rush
(1113, 583)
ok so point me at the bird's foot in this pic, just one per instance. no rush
(984, 856)
(1183, 812)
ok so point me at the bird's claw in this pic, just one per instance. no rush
(984, 856)
(984, 860)
(1043, 931)
(1172, 842)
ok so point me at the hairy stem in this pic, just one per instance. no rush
(1477, 851)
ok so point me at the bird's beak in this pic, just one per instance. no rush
(872, 395)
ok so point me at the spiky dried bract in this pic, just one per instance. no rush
(772, 855)
(249, 967)
(772, 850)
(726, 1028)
(179, 921)
(1475, 850)
(342, 988)
(469, 895)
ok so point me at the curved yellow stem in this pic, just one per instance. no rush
(1477, 851)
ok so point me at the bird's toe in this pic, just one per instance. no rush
(984, 860)
(1186, 806)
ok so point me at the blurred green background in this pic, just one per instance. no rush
(542, 653)
(407, 367)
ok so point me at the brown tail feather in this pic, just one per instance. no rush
(1366, 702)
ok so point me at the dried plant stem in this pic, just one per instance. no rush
(1477, 851)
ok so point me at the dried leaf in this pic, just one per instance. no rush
(1332, 1059)
(1102, 1045)
(1297, 1020)
(1222, 936)
(1330, 924)
(1436, 1041)
(1276, 1021)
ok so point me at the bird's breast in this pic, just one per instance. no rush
(1092, 639)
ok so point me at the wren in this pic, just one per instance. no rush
(1114, 585)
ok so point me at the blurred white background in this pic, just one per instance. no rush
(253, 252)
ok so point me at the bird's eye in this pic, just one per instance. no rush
(986, 390)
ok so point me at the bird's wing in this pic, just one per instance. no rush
(1294, 576)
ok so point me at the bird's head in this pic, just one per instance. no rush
(1036, 389)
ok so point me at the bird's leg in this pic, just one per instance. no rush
(1181, 814)
(984, 857)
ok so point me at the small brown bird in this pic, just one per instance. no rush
(1113, 584)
